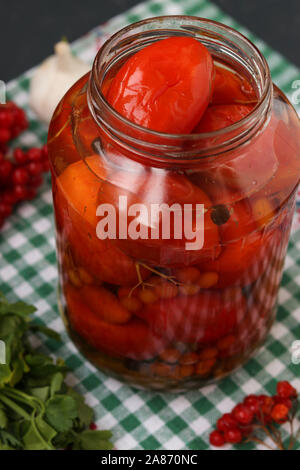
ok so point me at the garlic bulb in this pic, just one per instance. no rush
(53, 78)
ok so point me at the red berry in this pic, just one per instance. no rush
(21, 118)
(283, 401)
(279, 413)
(5, 135)
(46, 166)
(233, 436)
(20, 176)
(3, 148)
(285, 390)
(35, 168)
(5, 169)
(6, 118)
(93, 426)
(31, 194)
(44, 151)
(36, 181)
(1, 156)
(242, 414)
(252, 402)
(19, 156)
(216, 439)
(265, 407)
(5, 210)
(9, 198)
(226, 421)
(20, 192)
(34, 154)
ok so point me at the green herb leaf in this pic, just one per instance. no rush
(7, 439)
(3, 419)
(56, 383)
(38, 411)
(94, 440)
(85, 412)
(61, 410)
(18, 308)
(46, 331)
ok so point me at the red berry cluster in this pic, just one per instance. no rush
(20, 178)
(256, 411)
(21, 175)
(12, 122)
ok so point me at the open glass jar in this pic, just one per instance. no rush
(149, 309)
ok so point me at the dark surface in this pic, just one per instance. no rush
(29, 28)
(275, 21)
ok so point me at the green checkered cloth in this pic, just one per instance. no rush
(139, 419)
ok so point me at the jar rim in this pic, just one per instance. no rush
(250, 121)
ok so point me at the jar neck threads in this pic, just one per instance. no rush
(226, 45)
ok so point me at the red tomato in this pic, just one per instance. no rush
(166, 86)
(75, 198)
(243, 261)
(158, 187)
(133, 339)
(245, 170)
(60, 136)
(286, 139)
(222, 115)
(240, 222)
(229, 88)
(105, 304)
(204, 317)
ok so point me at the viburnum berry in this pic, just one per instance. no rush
(20, 176)
(20, 156)
(35, 168)
(265, 406)
(20, 192)
(252, 402)
(12, 121)
(279, 413)
(226, 421)
(34, 154)
(9, 197)
(31, 194)
(46, 166)
(5, 135)
(242, 414)
(20, 172)
(283, 401)
(5, 209)
(44, 150)
(233, 436)
(6, 119)
(5, 169)
(285, 389)
(258, 412)
(36, 181)
(216, 439)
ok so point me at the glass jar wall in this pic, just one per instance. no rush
(148, 310)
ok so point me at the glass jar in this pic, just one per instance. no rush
(159, 311)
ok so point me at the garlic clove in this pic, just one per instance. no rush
(52, 79)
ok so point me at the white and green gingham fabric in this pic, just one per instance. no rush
(139, 419)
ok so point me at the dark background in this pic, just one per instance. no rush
(29, 28)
